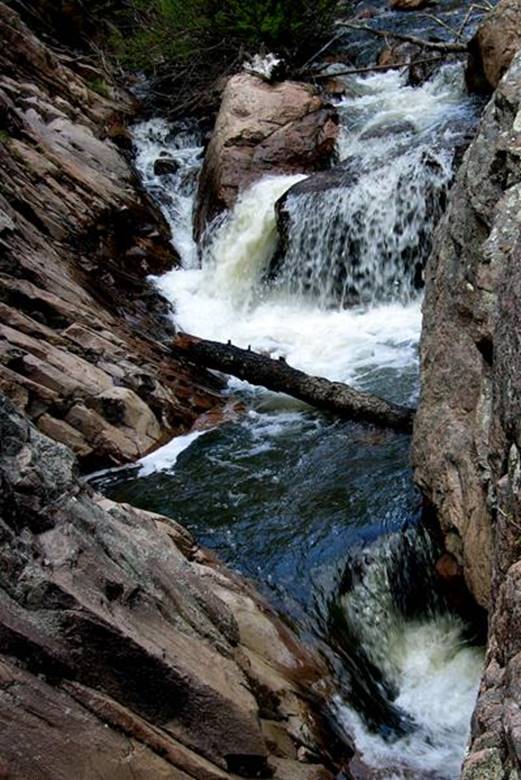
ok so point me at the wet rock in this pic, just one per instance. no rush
(493, 47)
(336, 178)
(262, 129)
(77, 241)
(165, 165)
(335, 87)
(396, 127)
(484, 765)
(453, 424)
(125, 650)
(467, 438)
(410, 54)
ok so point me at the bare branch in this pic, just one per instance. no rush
(371, 68)
(437, 45)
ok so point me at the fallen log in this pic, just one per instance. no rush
(277, 375)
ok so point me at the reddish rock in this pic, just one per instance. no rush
(126, 651)
(77, 241)
(493, 47)
(448, 569)
(262, 129)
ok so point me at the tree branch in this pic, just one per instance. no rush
(371, 68)
(437, 45)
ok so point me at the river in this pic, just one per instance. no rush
(323, 514)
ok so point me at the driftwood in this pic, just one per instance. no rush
(372, 68)
(277, 375)
(437, 45)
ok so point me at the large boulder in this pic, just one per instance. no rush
(77, 241)
(128, 652)
(493, 47)
(262, 129)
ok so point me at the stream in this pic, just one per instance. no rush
(322, 513)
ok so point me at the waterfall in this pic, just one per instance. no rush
(425, 671)
(242, 244)
(366, 236)
(368, 239)
(179, 149)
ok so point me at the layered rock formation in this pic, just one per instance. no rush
(467, 437)
(128, 652)
(262, 129)
(78, 323)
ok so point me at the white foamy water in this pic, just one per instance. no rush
(181, 149)
(165, 458)
(426, 661)
(367, 237)
(361, 240)
(437, 676)
(227, 300)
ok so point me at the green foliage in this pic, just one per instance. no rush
(99, 86)
(4, 136)
(155, 32)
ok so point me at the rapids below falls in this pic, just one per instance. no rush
(322, 514)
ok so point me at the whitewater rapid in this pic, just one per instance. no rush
(401, 141)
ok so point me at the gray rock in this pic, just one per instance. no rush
(135, 652)
(467, 437)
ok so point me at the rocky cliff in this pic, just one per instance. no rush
(79, 326)
(128, 652)
(467, 437)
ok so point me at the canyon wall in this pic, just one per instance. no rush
(467, 438)
(80, 329)
(126, 651)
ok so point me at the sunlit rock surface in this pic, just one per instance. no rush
(128, 652)
(78, 322)
(261, 129)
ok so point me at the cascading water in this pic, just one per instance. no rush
(367, 235)
(286, 494)
(179, 150)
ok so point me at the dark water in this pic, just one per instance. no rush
(283, 497)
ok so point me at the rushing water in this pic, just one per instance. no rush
(323, 513)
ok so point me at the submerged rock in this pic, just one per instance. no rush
(165, 165)
(419, 69)
(125, 650)
(77, 241)
(262, 129)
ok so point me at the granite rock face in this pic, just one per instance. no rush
(77, 241)
(128, 652)
(261, 129)
(453, 451)
(467, 438)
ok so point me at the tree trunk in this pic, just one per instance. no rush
(277, 375)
